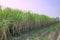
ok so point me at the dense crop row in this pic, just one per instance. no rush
(14, 22)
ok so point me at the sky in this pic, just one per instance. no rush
(46, 7)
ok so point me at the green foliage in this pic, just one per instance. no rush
(23, 21)
(44, 38)
(16, 15)
(55, 27)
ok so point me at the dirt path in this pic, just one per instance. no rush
(58, 36)
(54, 35)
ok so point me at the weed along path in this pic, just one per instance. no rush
(50, 33)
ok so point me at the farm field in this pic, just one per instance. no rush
(25, 25)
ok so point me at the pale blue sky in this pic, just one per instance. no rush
(47, 7)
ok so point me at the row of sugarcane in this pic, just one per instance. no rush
(14, 22)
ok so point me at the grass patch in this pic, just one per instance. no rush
(53, 28)
(45, 38)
